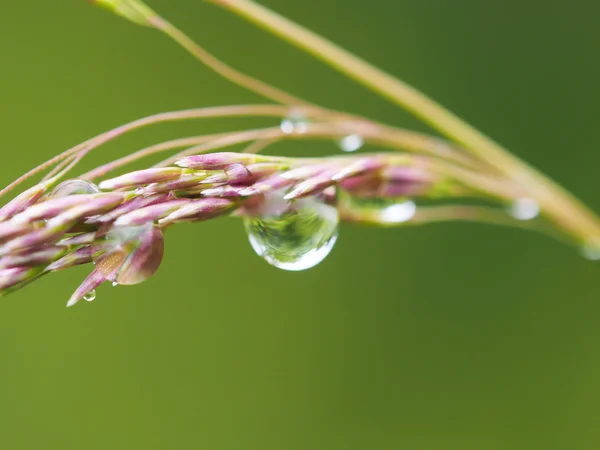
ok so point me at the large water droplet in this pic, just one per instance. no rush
(351, 143)
(71, 187)
(90, 296)
(524, 209)
(294, 123)
(129, 254)
(297, 239)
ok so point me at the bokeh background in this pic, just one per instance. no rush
(444, 337)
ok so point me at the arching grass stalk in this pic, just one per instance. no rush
(119, 223)
(290, 206)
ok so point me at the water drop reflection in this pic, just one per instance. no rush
(296, 239)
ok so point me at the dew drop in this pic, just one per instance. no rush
(71, 187)
(379, 210)
(90, 296)
(294, 123)
(351, 143)
(524, 209)
(398, 212)
(297, 239)
(128, 254)
(591, 252)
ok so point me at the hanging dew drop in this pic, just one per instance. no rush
(72, 187)
(90, 296)
(297, 239)
(378, 210)
(591, 251)
(351, 143)
(524, 209)
(129, 254)
(398, 212)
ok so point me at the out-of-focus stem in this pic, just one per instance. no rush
(394, 137)
(226, 71)
(138, 12)
(455, 213)
(259, 146)
(556, 203)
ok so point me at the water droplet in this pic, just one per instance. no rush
(524, 209)
(129, 254)
(398, 212)
(379, 210)
(71, 187)
(591, 251)
(298, 238)
(294, 123)
(90, 296)
(115, 284)
(351, 143)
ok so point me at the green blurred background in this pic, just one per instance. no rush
(444, 337)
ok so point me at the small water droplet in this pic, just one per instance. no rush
(115, 284)
(90, 296)
(71, 187)
(294, 123)
(524, 209)
(398, 212)
(379, 210)
(591, 251)
(128, 254)
(297, 239)
(351, 143)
